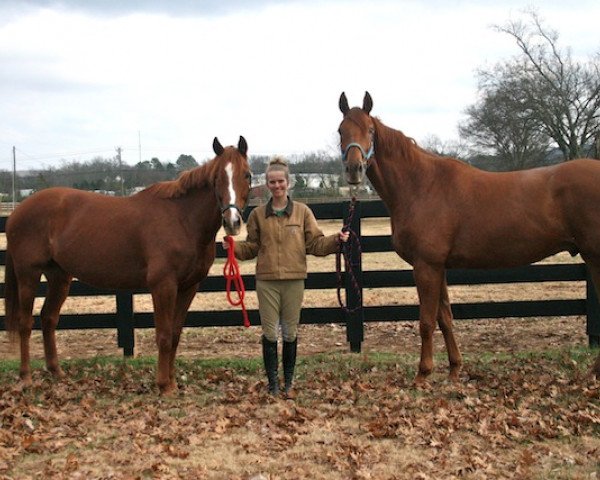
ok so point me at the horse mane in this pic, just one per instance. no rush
(195, 178)
(391, 140)
(394, 141)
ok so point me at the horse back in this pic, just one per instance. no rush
(29, 227)
(525, 216)
(88, 235)
(114, 242)
(473, 218)
(56, 209)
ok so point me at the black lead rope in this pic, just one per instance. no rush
(345, 250)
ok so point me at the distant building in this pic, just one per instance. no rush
(311, 181)
(25, 192)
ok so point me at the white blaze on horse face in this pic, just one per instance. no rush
(234, 214)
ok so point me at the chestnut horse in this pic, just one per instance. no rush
(162, 239)
(447, 214)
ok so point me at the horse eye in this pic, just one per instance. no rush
(249, 176)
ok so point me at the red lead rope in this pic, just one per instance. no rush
(231, 271)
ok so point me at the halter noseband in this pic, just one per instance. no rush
(229, 207)
(366, 155)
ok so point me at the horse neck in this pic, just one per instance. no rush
(194, 195)
(201, 213)
(399, 172)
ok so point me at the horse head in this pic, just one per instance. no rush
(357, 141)
(232, 183)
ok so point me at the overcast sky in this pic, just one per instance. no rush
(77, 81)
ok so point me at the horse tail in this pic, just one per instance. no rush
(11, 299)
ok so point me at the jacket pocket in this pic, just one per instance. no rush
(292, 229)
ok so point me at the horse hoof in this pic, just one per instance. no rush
(57, 372)
(26, 381)
(168, 391)
(420, 381)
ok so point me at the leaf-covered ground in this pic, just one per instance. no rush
(527, 415)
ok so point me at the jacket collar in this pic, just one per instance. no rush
(288, 208)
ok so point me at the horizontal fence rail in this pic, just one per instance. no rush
(126, 320)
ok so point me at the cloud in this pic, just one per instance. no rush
(128, 7)
(76, 78)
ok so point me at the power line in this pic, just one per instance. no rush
(49, 156)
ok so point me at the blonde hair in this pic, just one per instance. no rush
(278, 164)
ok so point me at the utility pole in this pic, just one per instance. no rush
(121, 171)
(14, 178)
(140, 146)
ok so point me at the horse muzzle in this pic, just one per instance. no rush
(355, 174)
(232, 219)
(356, 161)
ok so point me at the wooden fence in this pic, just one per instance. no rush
(126, 320)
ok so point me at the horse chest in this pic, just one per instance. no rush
(403, 245)
(205, 257)
(428, 244)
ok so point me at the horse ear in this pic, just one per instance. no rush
(217, 147)
(367, 103)
(243, 146)
(344, 103)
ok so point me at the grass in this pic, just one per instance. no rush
(338, 365)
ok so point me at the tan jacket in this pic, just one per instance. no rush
(282, 242)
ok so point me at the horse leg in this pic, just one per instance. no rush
(164, 295)
(182, 305)
(429, 279)
(27, 285)
(445, 323)
(595, 274)
(58, 289)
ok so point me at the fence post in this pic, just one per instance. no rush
(592, 307)
(354, 318)
(125, 325)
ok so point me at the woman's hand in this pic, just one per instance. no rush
(225, 244)
(343, 236)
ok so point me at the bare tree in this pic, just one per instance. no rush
(503, 122)
(445, 148)
(563, 94)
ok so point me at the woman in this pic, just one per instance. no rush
(280, 234)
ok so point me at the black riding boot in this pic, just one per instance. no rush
(289, 363)
(270, 361)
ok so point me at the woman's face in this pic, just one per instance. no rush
(277, 184)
